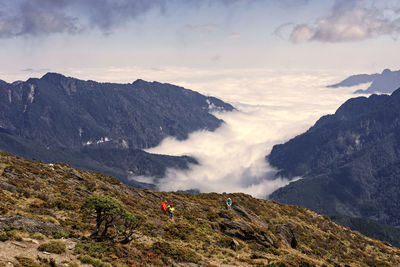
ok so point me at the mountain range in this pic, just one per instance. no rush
(349, 161)
(384, 83)
(102, 126)
(43, 223)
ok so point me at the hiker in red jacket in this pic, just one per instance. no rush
(164, 206)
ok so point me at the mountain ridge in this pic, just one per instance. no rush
(65, 115)
(349, 161)
(384, 83)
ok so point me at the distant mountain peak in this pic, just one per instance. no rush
(139, 81)
(384, 83)
(53, 76)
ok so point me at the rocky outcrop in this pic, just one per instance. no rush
(288, 235)
(29, 224)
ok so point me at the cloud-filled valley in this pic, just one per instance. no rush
(273, 107)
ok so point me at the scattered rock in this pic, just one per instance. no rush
(234, 245)
(8, 187)
(239, 229)
(30, 240)
(244, 231)
(258, 256)
(269, 239)
(30, 225)
(241, 211)
(214, 227)
(288, 235)
(18, 244)
(253, 218)
(77, 175)
(185, 264)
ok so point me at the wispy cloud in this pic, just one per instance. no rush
(233, 35)
(45, 17)
(347, 21)
(34, 70)
(204, 28)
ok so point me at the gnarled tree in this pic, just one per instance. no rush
(109, 213)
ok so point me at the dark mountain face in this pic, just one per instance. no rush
(349, 161)
(385, 82)
(66, 112)
(101, 126)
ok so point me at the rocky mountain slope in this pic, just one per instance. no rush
(385, 82)
(66, 118)
(40, 210)
(349, 161)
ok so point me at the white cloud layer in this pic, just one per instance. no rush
(272, 108)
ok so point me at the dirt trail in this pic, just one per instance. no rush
(29, 248)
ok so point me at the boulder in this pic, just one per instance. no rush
(288, 235)
(234, 245)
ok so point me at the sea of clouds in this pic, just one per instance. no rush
(272, 107)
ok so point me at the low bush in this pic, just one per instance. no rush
(57, 247)
(3, 236)
(180, 254)
(95, 262)
(60, 234)
(12, 233)
(27, 262)
(95, 249)
(37, 236)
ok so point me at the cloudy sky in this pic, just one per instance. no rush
(95, 36)
(271, 59)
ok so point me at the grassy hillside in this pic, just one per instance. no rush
(370, 228)
(254, 233)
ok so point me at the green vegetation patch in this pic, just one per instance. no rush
(95, 249)
(37, 236)
(27, 262)
(3, 236)
(61, 234)
(11, 233)
(180, 254)
(57, 247)
(95, 262)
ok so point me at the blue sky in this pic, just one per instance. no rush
(71, 36)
